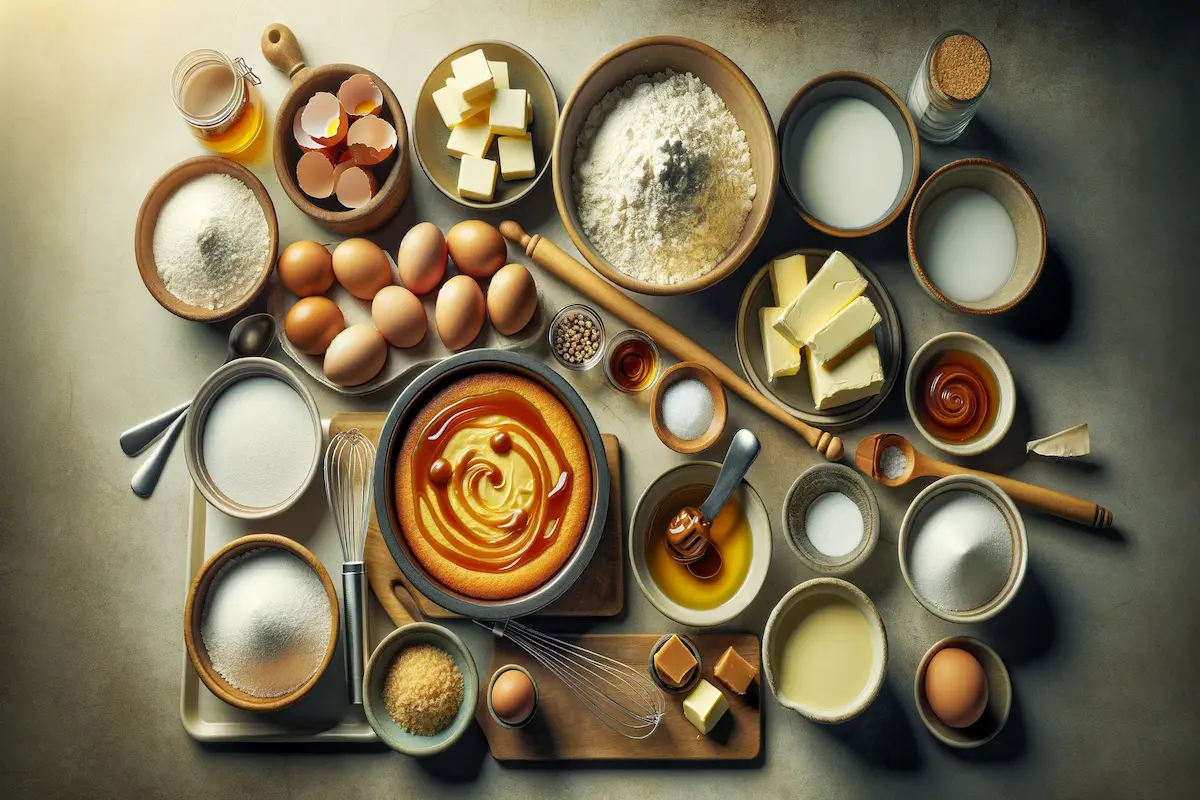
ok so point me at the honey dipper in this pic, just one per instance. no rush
(870, 452)
(554, 260)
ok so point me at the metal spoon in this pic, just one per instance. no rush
(251, 336)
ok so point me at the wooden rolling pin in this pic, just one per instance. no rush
(551, 257)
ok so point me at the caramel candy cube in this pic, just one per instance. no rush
(674, 662)
(734, 671)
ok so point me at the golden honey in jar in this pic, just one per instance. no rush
(217, 99)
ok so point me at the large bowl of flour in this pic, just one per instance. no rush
(665, 166)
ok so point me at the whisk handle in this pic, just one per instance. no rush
(354, 596)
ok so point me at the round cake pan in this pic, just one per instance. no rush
(410, 403)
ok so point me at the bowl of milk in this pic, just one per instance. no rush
(849, 154)
(976, 237)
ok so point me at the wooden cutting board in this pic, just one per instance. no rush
(599, 592)
(564, 730)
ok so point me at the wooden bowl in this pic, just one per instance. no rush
(430, 134)
(143, 235)
(280, 48)
(832, 86)
(193, 614)
(999, 702)
(682, 370)
(1023, 209)
(646, 56)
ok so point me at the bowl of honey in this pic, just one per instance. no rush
(741, 533)
(960, 393)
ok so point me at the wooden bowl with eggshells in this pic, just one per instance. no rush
(391, 176)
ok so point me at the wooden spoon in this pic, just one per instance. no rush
(554, 260)
(870, 452)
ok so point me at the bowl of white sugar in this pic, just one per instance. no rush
(963, 549)
(831, 518)
(253, 442)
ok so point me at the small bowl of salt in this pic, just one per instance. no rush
(831, 518)
(688, 408)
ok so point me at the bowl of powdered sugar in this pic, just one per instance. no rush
(206, 239)
(261, 622)
(665, 166)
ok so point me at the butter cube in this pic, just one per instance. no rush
(705, 706)
(830, 290)
(782, 357)
(451, 105)
(516, 157)
(528, 109)
(789, 276)
(477, 178)
(475, 107)
(472, 74)
(844, 330)
(506, 114)
(499, 74)
(471, 137)
(858, 375)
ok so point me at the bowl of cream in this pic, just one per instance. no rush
(253, 441)
(824, 650)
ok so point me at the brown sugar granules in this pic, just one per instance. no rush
(423, 690)
(961, 67)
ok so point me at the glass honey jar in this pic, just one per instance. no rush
(217, 98)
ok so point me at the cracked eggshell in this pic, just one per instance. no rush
(324, 119)
(306, 142)
(370, 140)
(315, 174)
(355, 187)
(360, 96)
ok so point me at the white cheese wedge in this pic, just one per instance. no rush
(844, 330)
(705, 706)
(781, 356)
(858, 375)
(789, 276)
(829, 291)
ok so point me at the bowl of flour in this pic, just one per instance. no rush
(665, 166)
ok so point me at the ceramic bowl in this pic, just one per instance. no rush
(1016, 525)
(702, 473)
(430, 133)
(143, 235)
(682, 371)
(793, 130)
(376, 674)
(780, 623)
(193, 616)
(1022, 206)
(692, 680)
(793, 393)
(999, 702)
(536, 696)
(814, 482)
(1007, 387)
(206, 396)
(647, 56)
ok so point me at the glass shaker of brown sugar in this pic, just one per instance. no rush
(949, 85)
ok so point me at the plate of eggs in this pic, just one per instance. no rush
(357, 319)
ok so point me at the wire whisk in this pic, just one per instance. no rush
(622, 698)
(349, 467)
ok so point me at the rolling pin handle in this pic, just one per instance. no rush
(280, 47)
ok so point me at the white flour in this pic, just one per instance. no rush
(210, 241)
(663, 180)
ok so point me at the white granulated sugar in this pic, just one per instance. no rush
(834, 524)
(266, 622)
(211, 241)
(961, 551)
(258, 441)
(687, 408)
(663, 180)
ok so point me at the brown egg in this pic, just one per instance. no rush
(306, 268)
(399, 316)
(511, 299)
(312, 324)
(459, 311)
(477, 248)
(362, 267)
(513, 696)
(355, 355)
(421, 258)
(956, 687)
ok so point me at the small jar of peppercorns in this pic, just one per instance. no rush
(576, 337)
